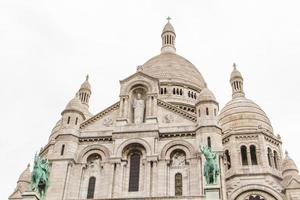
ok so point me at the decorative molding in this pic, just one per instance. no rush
(100, 115)
(95, 139)
(176, 110)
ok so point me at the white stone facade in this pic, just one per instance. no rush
(110, 156)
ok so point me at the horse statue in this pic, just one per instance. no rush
(211, 169)
(40, 176)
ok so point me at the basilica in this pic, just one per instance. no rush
(166, 138)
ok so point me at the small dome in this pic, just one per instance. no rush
(242, 113)
(206, 95)
(168, 28)
(172, 67)
(86, 84)
(25, 176)
(75, 104)
(235, 73)
(288, 164)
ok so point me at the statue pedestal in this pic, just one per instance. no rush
(212, 192)
(30, 196)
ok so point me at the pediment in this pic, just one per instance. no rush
(104, 120)
(139, 75)
(294, 183)
(173, 117)
(139, 78)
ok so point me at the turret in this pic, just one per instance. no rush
(22, 184)
(168, 37)
(236, 81)
(85, 92)
(207, 108)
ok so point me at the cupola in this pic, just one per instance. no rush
(168, 37)
(236, 81)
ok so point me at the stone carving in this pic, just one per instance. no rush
(178, 159)
(169, 118)
(108, 122)
(255, 197)
(40, 176)
(211, 169)
(139, 109)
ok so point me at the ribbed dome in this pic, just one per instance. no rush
(86, 84)
(75, 104)
(206, 95)
(25, 176)
(235, 73)
(242, 113)
(168, 28)
(172, 67)
(288, 164)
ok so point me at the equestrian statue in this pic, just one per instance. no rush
(211, 169)
(40, 176)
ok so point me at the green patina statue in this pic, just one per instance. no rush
(211, 169)
(40, 176)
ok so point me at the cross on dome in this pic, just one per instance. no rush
(169, 18)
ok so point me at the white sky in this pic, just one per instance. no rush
(47, 48)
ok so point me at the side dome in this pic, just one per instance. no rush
(75, 104)
(170, 67)
(206, 95)
(241, 113)
(289, 166)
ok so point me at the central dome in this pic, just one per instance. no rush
(170, 67)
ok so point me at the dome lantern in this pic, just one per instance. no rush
(168, 37)
(236, 81)
(85, 92)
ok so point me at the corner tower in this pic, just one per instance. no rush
(251, 150)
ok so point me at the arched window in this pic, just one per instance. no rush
(161, 90)
(177, 91)
(91, 188)
(189, 94)
(209, 142)
(270, 157)
(195, 96)
(165, 90)
(228, 160)
(253, 155)
(68, 121)
(199, 113)
(207, 112)
(178, 184)
(62, 150)
(180, 91)
(134, 174)
(76, 121)
(275, 159)
(174, 91)
(244, 155)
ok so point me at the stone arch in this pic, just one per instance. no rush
(178, 144)
(97, 148)
(252, 188)
(142, 142)
(144, 83)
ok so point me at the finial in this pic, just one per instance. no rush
(169, 18)
(234, 66)
(28, 165)
(87, 77)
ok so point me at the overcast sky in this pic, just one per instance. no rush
(48, 47)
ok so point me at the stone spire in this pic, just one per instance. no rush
(168, 37)
(236, 81)
(85, 92)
